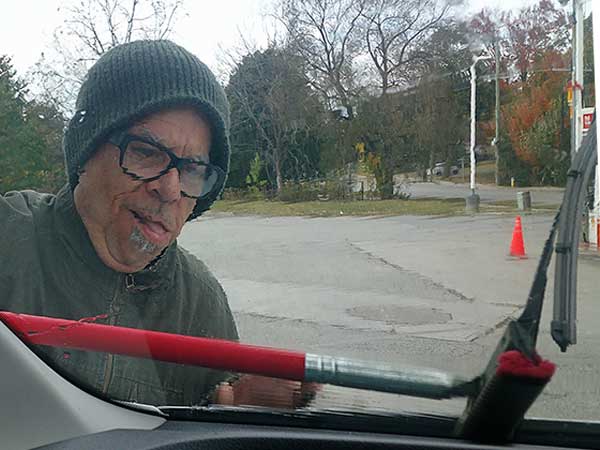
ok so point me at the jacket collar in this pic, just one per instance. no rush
(158, 274)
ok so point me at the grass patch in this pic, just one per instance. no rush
(419, 207)
(485, 174)
(505, 203)
(510, 206)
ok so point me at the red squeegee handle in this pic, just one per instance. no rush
(214, 353)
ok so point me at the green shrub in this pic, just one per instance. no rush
(510, 166)
(298, 192)
(240, 194)
(333, 190)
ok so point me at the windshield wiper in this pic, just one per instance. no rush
(515, 374)
(348, 418)
(506, 394)
(563, 327)
(143, 407)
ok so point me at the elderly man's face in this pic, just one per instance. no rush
(131, 221)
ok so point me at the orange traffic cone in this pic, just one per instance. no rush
(517, 246)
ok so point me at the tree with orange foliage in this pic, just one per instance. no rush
(534, 32)
(537, 127)
(534, 46)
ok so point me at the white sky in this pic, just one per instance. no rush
(26, 26)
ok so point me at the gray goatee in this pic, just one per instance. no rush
(141, 243)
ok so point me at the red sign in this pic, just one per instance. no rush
(588, 116)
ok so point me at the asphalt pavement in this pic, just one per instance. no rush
(487, 193)
(416, 291)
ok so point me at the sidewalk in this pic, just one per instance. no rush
(589, 251)
(487, 193)
(509, 188)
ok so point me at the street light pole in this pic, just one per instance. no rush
(497, 114)
(473, 122)
(473, 199)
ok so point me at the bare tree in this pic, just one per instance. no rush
(437, 107)
(269, 94)
(90, 28)
(395, 31)
(324, 33)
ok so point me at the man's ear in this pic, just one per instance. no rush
(80, 174)
(81, 177)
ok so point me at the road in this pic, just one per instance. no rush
(416, 291)
(487, 193)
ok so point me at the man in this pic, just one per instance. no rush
(146, 151)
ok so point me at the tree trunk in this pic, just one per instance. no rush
(497, 170)
(384, 83)
(278, 177)
(430, 165)
(387, 186)
(387, 176)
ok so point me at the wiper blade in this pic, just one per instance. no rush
(233, 356)
(352, 419)
(516, 375)
(563, 327)
(143, 407)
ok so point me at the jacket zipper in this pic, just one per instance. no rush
(113, 311)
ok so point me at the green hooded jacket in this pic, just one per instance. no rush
(49, 267)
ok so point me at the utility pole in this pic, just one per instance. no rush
(577, 105)
(577, 109)
(594, 223)
(577, 78)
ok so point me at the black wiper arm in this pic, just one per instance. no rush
(563, 327)
(515, 374)
(143, 407)
(346, 418)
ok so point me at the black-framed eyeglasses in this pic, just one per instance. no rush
(144, 159)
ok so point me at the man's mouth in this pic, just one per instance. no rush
(152, 230)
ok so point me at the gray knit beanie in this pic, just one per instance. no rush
(134, 80)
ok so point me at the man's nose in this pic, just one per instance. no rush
(167, 188)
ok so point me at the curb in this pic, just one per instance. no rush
(588, 251)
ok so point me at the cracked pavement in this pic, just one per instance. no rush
(433, 292)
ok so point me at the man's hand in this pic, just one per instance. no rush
(254, 390)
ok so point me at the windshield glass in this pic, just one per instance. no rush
(366, 180)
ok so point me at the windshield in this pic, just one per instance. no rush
(367, 180)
